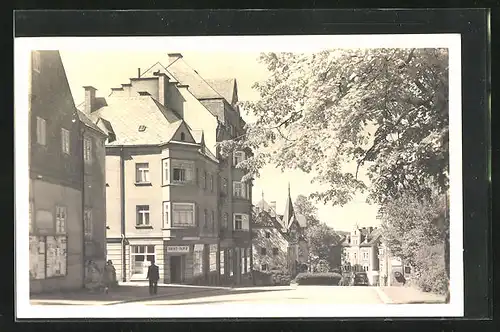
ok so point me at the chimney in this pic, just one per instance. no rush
(272, 204)
(370, 229)
(89, 102)
(173, 57)
(138, 72)
(162, 87)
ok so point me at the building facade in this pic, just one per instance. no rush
(278, 240)
(360, 252)
(171, 196)
(57, 191)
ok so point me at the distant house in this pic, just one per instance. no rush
(360, 252)
(278, 240)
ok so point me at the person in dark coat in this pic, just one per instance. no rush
(153, 276)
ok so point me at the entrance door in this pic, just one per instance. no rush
(175, 270)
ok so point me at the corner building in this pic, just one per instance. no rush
(170, 196)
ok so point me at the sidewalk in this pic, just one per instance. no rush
(408, 295)
(126, 292)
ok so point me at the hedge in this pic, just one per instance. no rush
(326, 278)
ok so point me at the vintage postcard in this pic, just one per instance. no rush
(262, 176)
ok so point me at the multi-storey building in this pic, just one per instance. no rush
(171, 196)
(360, 251)
(278, 240)
(59, 190)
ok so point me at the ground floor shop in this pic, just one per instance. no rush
(178, 262)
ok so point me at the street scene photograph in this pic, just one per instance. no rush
(204, 176)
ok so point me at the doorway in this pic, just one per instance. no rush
(175, 269)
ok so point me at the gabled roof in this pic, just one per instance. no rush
(225, 87)
(127, 114)
(372, 238)
(87, 122)
(186, 75)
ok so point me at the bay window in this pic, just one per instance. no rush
(183, 214)
(182, 171)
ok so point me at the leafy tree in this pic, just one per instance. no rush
(417, 230)
(304, 206)
(383, 112)
(319, 238)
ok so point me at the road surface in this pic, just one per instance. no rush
(277, 295)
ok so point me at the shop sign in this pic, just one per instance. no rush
(198, 247)
(178, 249)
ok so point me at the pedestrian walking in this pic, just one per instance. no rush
(153, 276)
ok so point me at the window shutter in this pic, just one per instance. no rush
(234, 188)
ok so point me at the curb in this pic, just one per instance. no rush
(145, 298)
(383, 296)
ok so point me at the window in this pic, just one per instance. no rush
(238, 157)
(239, 189)
(365, 268)
(263, 251)
(30, 217)
(275, 251)
(381, 251)
(183, 137)
(60, 219)
(211, 183)
(87, 149)
(142, 215)
(365, 255)
(240, 221)
(166, 208)
(182, 171)
(65, 140)
(224, 185)
(355, 255)
(183, 214)
(166, 171)
(212, 220)
(196, 177)
(225, 221)
(407, 270)
(87, 221)
(36, 61)
(263, 267)
(268, 235)
(140, 256)
(205, 218)
(212, 257)
(204, 180)
(142, 173)
(41, 131)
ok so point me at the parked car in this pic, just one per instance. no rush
(360, 279)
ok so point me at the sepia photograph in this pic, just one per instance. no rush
(263, 176)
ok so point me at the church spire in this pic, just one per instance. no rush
(289, 213)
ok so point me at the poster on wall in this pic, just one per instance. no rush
(213, 257)
(37, 257)
(56, 256)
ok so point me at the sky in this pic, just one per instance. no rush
(108, 69)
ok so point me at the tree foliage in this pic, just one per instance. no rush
(411, 225)
(305, 207)
(344, 112)
(319, 239)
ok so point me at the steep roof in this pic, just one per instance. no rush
(225, 87)
(372, 238)
(186, 75)
(127, 114)
(302, 220)
(289, 214)
(87, 122)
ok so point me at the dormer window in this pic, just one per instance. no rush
(142, 128)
